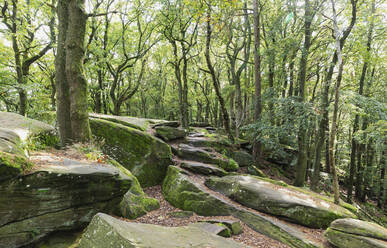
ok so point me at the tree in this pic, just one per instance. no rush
(72, 105)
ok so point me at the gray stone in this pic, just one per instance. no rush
(356, 233)
(233, 225)
(57, 197)
(282, 201)
(187, 194)
(17, 132)
(106, 231)
(144, 155)
(168, 133)
(201, 168)
(217, 229)
(205, 156)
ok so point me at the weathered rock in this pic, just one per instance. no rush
(144, 155)
(62, 239)
(17, 132)
(106, 231)
(253, 170)
(167, 124)
(141, 124)
(135, 203)
(187, 194)
(170, 133)
(180, 214)
(278, 200)
(242, 158)
(201, 155)
(217, 229)
(57, 197)
(356, 234)
(233, 225)
(201, 168)
(12, 165)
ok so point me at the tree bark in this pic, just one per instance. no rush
(257, 146)
(302, 153)
(62, 85)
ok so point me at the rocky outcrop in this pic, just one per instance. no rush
(106, 231)
(354, 233)
(57, 197)
(144, 155)
(168, 133)
(141, 124)
(278, 200)
(182, 190)
(201, 168)
(17, 132)
(205, 155)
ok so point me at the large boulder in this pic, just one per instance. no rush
(186, 193)
(57, 197)
(354, 233)
(141, 124)
(144, 155)
(17, 132)
(170, 133)
(106, 231)
(206, 155)
(275, 199)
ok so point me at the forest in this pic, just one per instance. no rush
(301, 83)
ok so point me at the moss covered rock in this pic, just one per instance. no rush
(201, 168)
(278, 200)
(205, 155)
(144, 155)
(106, 231)
(217, 228)
(57, 197)
(187, 194)
(184, 193)
(12, 165)
(18, 134)
(356, 234)
(170, 133)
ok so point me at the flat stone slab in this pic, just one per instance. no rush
(206, 155)
(133, 122)
(356, 234)
(233, 225)
(279, 200)
(185, 193)
(107, 231)
(202, 168)
(57, 197)
(217, 228)
(15, 130)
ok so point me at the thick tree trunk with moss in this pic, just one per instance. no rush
(62, 86)
(74, 71)
(72, 105)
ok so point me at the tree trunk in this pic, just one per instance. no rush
(257, 146)
(62, 85)
(74, 71)
(302, 153)
(215, 80)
